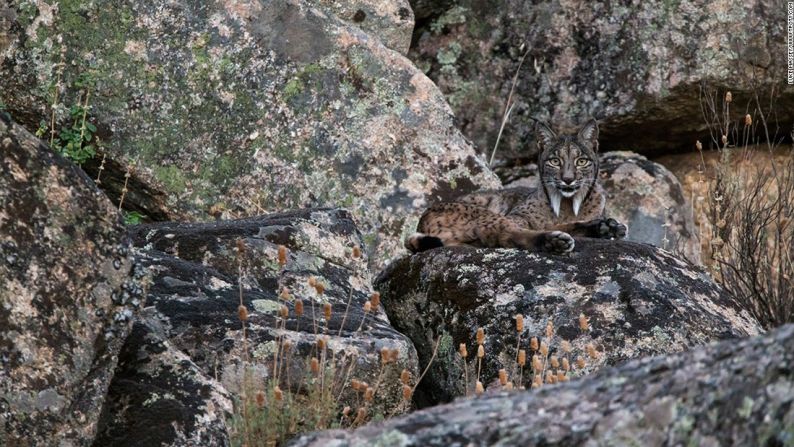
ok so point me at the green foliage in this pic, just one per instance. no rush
(74, 142)
(133, 218)
(454, 16)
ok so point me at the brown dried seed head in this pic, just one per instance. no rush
(724, 139)
(312, 281)
(321, 342)
(566, 346)
(549, 329)
(395, 355)
(284, 312)
(361, 414)
(407, 392)
(369, 394)
(580, 362)
(537, 381)
(522, 357)
(544, 348)
(533, 343)
(728, 97)
(242, 313)
(405, 377)
(555, 362)
(591, 351)
(240, 246)
(502, 377)
(285, 294)
(346, 411)
(519, 323)
(356, 252)
(561, 376)
(698, 145)
(479, 388)
(584, 322)
(509, 386)
(462, 350)
(537, 365)
(286, 345)
(748, 120)
(319, 287)
(480, 336)
(550, 377)
(299, 307)
(282, 255)
(385, 355)
(367, 307)
(327, 309)
(480, 352)
(315, 365)
(355, 384)
(566, 365)
(278, 394)
(260, 399)
(375, 300)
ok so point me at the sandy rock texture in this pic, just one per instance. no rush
(68, 294)
(736, 392)
(639, 300)
(240, 108)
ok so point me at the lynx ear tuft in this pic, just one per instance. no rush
(588, 135)
(544, 135)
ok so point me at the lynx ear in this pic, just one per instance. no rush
(588, 135)
(544, 135)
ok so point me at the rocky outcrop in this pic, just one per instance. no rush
(67, 294)
(296, 108)
(636, 67)
(642, 194)
(736, 392)
(390, 21)
(160, 397)
(194, 301)
(639, 300)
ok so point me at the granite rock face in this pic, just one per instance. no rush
(160, 397)
(194, 299)
(642, 194)
(639, 300)
(390, 21)
(296, 108)
(68, 292)
(736, 392)
(636, 66)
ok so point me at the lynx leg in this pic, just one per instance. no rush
(557, 242)
(597, 228)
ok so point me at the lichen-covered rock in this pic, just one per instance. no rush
(388, 20)
(636, 66)
(238, 108)
(642, 194)
(640, 301)
(159, 397)
(67, 293)
(195, 296)
(737, 392)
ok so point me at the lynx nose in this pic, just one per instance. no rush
(568, 180)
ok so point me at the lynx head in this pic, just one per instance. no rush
(568, 165)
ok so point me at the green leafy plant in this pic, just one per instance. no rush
(133, 218)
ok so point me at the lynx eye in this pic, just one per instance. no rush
(582, 162)
(554, 162)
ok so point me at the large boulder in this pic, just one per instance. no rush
(642, 194)
(636, 66)
(733, 393)
(194, 299)
(639, 300)
(233, 109)
(67, 293)
(388, 20)
(160, 397)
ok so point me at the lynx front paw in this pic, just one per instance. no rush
(558, 242)
(421, 242)
(607, 229)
